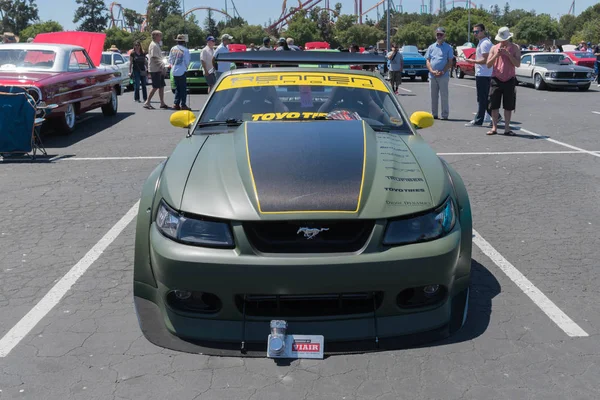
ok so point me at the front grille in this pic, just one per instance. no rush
(571, 75)
(319, 305)
(194, 73)
(414, 66)
(297, 236)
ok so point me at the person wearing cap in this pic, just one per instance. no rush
(157, 71)
(266, 45)
(439, 61)
(206, 57)
(396, 64)
(179, 58)
(222, 48)
(283, 45)
(505, 58)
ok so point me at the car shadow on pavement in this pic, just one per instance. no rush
(87, 125)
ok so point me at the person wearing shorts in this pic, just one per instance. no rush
(157, 71)
(505, 57)
(206, 57)
(396, 64)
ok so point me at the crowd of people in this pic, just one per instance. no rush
(495, 76)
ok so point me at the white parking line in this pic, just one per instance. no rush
(596, 112)
(561, 143)
(109, 158)
(544, 303)
(53, 297)
(499, 153)
(406, 90)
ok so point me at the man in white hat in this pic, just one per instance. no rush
(439, 60)
(222, 48)
(179, 58)
(504, 57)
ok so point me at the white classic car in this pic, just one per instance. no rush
(548, 70)
(118, 60)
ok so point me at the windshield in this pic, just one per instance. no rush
(583, 54)
(410, 49)
(28, 59)
(195, 56)
(304, 96)
(543, 59)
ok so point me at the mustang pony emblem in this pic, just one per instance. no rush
(310, 233)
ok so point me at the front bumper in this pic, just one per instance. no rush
(568, 82)
(227, 273)
(415, 72)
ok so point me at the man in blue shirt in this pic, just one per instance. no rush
(439, 60)
(179, 58)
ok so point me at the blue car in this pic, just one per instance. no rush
(414, 64)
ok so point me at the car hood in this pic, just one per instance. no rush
(24, 77)
(291, 170)
(565, 68)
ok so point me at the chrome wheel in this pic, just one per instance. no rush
(113, 99)
(70, 116)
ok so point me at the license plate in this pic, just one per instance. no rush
(412, 72)
(300, 346)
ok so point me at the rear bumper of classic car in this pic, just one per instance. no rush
(243, 293)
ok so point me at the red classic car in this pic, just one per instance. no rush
(61, 74)
(582, 58)
(465, 68)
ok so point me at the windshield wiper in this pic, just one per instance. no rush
(228, 122)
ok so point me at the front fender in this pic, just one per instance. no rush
(465, 218)
(142, 268)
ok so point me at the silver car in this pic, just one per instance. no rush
(548, 70)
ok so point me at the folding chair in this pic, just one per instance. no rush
(21, 121)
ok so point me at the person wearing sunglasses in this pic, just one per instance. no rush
(439, 61)
(483, 74)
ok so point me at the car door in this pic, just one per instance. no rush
(81, 81)
(123, 66)
(525, 71)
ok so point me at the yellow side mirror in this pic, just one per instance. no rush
(182, 119)
(421, 119)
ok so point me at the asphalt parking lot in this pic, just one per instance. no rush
(69, 330)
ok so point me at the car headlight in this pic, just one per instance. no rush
(553, 75)
(192, 231)
(589, 74)
(430, 226)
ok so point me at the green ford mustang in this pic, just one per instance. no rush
(304, 195)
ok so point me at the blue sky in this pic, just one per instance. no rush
(259, 11)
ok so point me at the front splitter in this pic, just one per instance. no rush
(153, 328)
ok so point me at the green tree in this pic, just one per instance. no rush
(92, 14)
(302, 29)
(174, 25)
(362, 35)
(159, 10)
(414, 34)
(506, 9)
(43, 27)
(511, 18)
(247, 34)
(568, 26)
(537, 29)
(119, 37)
(495, 13)
(590, 32)
(18, 14)
(132, 18)
(210, 25)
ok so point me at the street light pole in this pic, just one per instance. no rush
(387, 45)
(469, 32)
